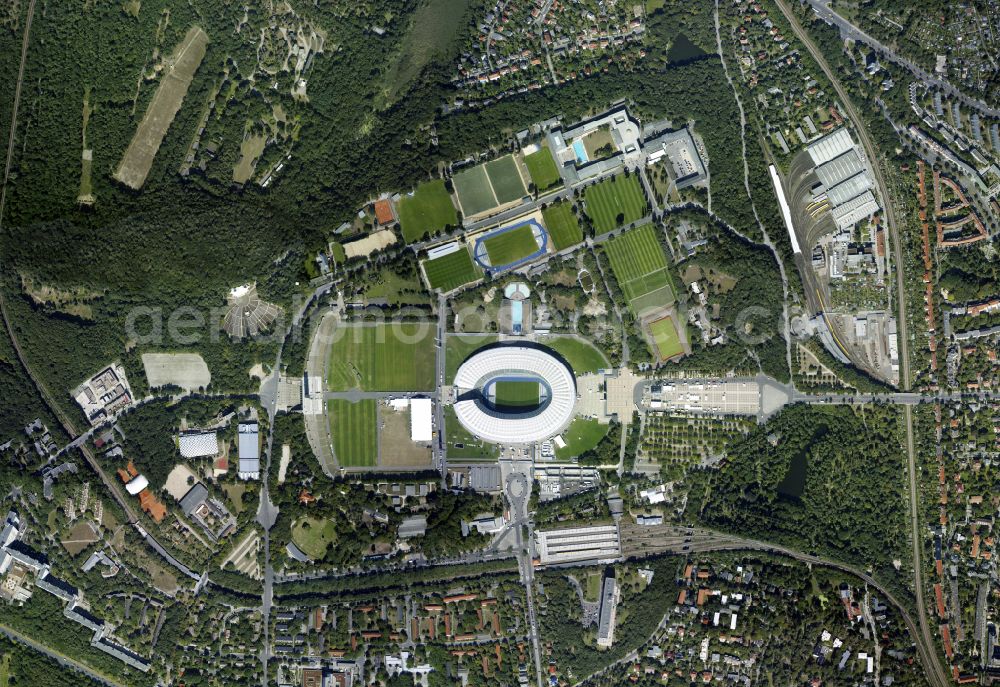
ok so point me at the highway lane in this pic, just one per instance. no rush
(926, 640)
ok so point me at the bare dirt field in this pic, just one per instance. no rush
(179, 481)
(286, 457)
(396, 448)
(186, 370)
(178, 71)
(369, 244)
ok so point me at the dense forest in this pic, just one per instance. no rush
(825, 479)
(29, 668)
(749, 311)
(185, 241)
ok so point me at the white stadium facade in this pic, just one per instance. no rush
(522, 363)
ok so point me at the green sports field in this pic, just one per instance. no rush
(582, 435)
(511, 246)
(615, 202)
(640, 266)
(428, 210)
(385, 357)
(581, 355)
(665, 338)
(542, 169)
(451, 271)
(515, 394)
(489, 185)
(562, 225)
(506, 180)
(354, 429)
(474, 190)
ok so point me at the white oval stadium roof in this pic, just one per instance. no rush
(499, 427)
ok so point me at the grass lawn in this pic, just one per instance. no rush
(562, 225)
(5, 671)
(582, 435)
(516, 394)
(507, 183)
(428, 210)
(592, 589)
(234, 492)
(474, 190)
(397, 290)
(354, 428)
(599, 143)
(338, 253)
(451, 271)
(511, 246)
(615, 202)
(581, 355)
(665, 337)
(385, 357)
(639, 264)
(463, 446)
(542, 169)
(458, 347)
(313, 536)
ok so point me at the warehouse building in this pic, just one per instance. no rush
(198, 444)
(598, 544)
(844, 178)
(249, 450)
(421, 425)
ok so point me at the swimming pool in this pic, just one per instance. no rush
(516, 316)
(581, 152)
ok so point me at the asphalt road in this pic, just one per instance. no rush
(925, 640)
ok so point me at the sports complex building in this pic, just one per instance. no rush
(542, 406)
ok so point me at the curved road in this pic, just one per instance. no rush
(928, 650)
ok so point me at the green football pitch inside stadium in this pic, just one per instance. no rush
(384, 357)
(354, 429)
(516, 394)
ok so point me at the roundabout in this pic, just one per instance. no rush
(514, 394)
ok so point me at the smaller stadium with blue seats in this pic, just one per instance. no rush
(482, 257)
